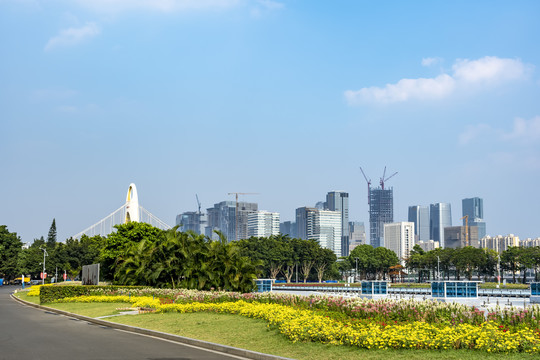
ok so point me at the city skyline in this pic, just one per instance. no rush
(283, 98)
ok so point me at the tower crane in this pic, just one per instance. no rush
(368, 186)
(383, 180)
(236, 210)
(466, 217)
(198, 203)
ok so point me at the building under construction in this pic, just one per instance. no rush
(381, 209)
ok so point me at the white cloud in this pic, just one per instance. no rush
(430, 61)
(115, 6)
(403, 90)
(526, 131)
(73, 36)
(488, 70)
(523, 132)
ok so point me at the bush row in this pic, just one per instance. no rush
(49, 294)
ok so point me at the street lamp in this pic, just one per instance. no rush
(498, 271)
(43, 273)
(438, 268)
(356, 278)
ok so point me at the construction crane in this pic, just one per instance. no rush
(198, 203)
(368, 186)
(236, 210)
(466, 217)
(383, 180)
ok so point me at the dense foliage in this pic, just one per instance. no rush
(284, 256)
(469, 261)
(10, 248)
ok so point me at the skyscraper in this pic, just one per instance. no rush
(263, 224)
(357, 234)
(440, 216)
(419, 215)
(399, 237)
(381, 211)
(474, 209)
(230, 221)
(339, 201)
(192, 220)
(324, 226)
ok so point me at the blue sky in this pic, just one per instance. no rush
(286, 99)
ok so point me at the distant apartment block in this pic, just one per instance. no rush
(530, 242)
(357, 234)
(263, 224)
(440, 217)
(419, 215)
(473, 208)
(324, 226)
(428, 245)
(456, 237)
(399, 237)
(499, 243)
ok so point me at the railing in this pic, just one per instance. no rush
(405, 291)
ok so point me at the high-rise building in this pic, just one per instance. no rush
(440, 216)
(192, 221)
(324, 226)
(288, 228)
(473, 208)
(357, 234)
(231, 221)
(499, 243)
(381, 211)
(399, 237)
(419, 215)
(456, 237)
(263, 224)
(305, 217)
(339, 201)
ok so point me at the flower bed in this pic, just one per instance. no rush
(299, 324)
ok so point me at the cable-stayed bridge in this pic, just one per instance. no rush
(130, 211)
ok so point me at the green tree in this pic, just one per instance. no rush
(10, 248)
(118, 243)
(51, 237)
(510, 260)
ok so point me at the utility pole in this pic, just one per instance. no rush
(236, 210)
(356, 259)
(438, 268)
(43, 273)
(498, 271)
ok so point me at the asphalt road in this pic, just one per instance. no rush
(30, 333)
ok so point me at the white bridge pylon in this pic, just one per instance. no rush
(130, 211)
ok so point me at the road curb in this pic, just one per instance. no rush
(171, 337)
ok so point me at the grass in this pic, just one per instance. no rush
(24, 296)
(92, 310)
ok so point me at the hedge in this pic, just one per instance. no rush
(49, 294)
